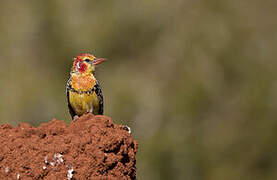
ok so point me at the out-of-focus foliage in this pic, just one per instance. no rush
(195, 80)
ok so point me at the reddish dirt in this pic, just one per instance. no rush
(91, 147)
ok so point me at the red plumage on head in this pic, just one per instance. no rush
(79, 65)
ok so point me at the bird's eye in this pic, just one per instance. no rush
(87, 60)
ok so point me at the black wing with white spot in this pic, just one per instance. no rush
(99, 94)
(68, 88)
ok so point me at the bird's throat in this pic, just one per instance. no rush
(82, 82)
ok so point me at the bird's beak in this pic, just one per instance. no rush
(98, 61)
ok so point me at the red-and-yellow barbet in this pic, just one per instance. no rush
(83, 91)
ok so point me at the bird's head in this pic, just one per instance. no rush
(86, 63)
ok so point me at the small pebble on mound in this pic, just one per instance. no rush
(91, 147)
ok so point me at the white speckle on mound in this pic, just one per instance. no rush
(52, 163)
(58, 158)
(70, 172)
(45, 160)
(6, 170)
(127, 128)
(43, 167)
(18, 176)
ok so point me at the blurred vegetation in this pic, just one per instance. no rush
(195, 80)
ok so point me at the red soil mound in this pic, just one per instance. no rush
(90, 148)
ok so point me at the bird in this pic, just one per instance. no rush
(83, 91)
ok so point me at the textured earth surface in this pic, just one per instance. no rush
(91, 147)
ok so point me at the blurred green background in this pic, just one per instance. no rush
(195, 80)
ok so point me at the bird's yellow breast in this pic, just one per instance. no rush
(84, 103)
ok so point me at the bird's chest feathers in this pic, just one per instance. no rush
(83, 82)
(83, 102)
